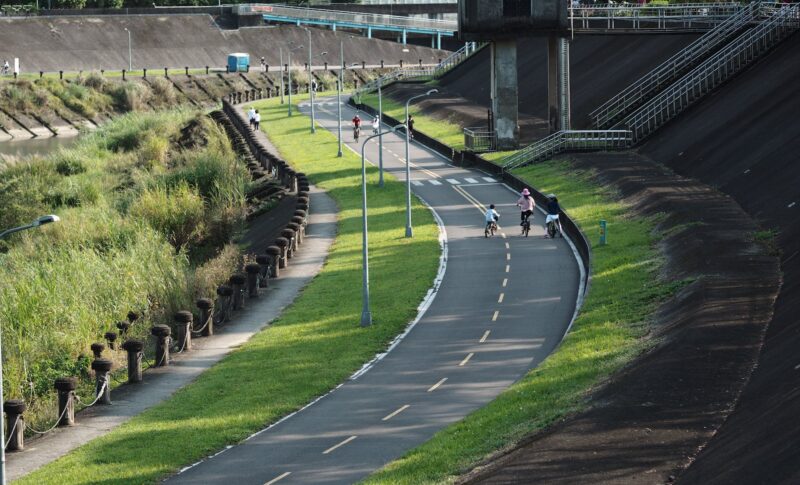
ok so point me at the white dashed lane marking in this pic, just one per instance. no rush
(437, 385)
(416, 182)
(454, 181)
(435, 182)
(348, 440)
(490, 180)
(472, 181)
(466, 359)
(278, 478)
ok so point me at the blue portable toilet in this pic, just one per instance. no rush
(238, 62)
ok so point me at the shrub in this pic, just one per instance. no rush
(153, 151)
(163, 91)
(178, 213)
(130, 96)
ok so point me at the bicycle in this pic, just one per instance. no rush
(526, 227)
(553, 229)
(356, 133)
(490, 229)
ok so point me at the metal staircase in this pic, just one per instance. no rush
(564, 141)
(647, 86)
(777, 24)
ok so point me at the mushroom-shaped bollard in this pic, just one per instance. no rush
(298, 233)
(111, 337)
(263, 261)
(238, 281)
(206, 306)
(161, 333)
(303, 215)
(184, 320)
(102, 389)
(225, 294)
(123, 327)
(97, 349)
(66, 400)
(274, 254)
(253, 271)
(283, 244)
(290, 236)
(15, 424)
(132, 317)
(135, 350)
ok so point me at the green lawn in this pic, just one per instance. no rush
(607, 334)
(311, 348)
(448, 132)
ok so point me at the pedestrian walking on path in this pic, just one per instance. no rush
(257, 120)
(251, 116)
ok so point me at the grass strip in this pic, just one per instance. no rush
(448, 132)
(315, 344)
(607, 334)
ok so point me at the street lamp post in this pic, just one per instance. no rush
(130, 51)
(38, 222)
(310, 82)
(289, 53)
(380, 138)
(366, 314)
(280, 51)
(409, 231)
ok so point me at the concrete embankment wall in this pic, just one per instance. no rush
(195, 41)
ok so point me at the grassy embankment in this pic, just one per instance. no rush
(146, 211)
(312, 347)
(608, 333)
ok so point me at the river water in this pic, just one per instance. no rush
(11, 151)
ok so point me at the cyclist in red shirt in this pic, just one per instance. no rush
(356, 127)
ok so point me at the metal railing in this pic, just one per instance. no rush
(665, 18)
(645, 87)
(479, 139)
(727, 62)
(349, 18)
(568, 140)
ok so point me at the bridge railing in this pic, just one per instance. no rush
(479, 139)
(568, 140)
(620, 105)
(353, 18)
(687, 16)
(717, 69)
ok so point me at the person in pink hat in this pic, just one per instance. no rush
(526, 205)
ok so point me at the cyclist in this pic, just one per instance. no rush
(553, 209)
(356, 127)
(491, 216)
(526, 205)
(376, 126)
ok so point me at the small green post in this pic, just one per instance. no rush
(602, 232)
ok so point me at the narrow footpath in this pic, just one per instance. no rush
(502, 306)
(161, 382)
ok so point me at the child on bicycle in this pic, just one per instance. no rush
(356, 126)
(491, 216)
(553, 209)
(526, 205)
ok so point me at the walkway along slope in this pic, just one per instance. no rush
(162, 382)
(486, 327)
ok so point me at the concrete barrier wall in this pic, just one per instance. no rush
(72, 43)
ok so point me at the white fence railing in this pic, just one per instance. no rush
(568, 140)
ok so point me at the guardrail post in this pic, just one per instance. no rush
(111, 337)
(135, 349)
(206, 70)
(97, 349)
(252, 270)
(15, 423)
(206, 306)
(123, 74)
(184, 320)
(61, 75)
(401, 63)
(102, 389)
(66, 400)
(166, 72)
(363, 64)
(420, 63)
(186, 70)
(41, 74)
(326, 65)
(238, 281)
(162, 334)
(144, 73)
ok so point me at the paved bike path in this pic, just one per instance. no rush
(503, 305)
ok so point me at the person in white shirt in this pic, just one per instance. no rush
(251, 115)
(257, 120)
(376, 126)
(491, 216)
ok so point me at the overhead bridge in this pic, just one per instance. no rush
(367, 22)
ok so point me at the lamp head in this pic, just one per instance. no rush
(432, 91)
(323, 53)
(46, 220)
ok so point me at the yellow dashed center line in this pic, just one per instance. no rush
(500, 299)
(508, 256)
(496, 314)
(400, 410)
(466, 359)
(348, 440)
(437, 385)
(505, 282)
(278, 478)
(485, 336)
(508, 269)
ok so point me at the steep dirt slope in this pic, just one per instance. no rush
(745, 140)
(86, 43)
(600, 67)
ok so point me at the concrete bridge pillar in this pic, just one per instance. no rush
(369, 32)
(505, 93)
(558, 84)
(439, 40)
(404, 36)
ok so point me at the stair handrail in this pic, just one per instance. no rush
(567, 140)
(668, 70)
(704, 78)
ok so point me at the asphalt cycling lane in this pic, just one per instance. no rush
(503, 305)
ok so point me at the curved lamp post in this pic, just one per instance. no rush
(409, 231)
(366, 314)
(38, 222)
